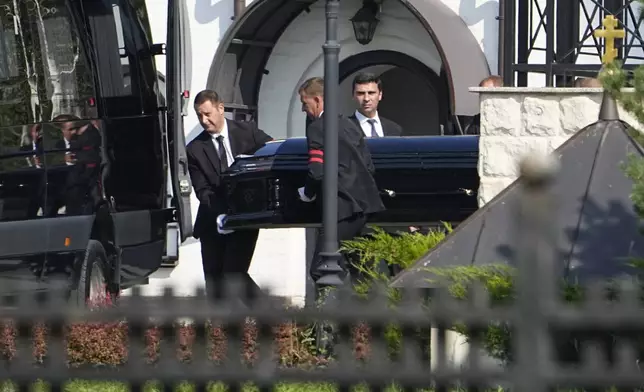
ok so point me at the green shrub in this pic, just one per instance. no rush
(402, 250)
(498, 281)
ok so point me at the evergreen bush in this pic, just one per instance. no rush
(401, 250)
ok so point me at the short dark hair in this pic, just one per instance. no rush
(367, 77)
(207, 95)
(65, 118)
(313, 87)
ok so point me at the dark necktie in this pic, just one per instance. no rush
(373, 127)
(223, 157)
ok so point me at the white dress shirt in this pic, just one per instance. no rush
(67, 146)
(224, 133)
(366, 127)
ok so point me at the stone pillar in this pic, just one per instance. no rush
(515, 121)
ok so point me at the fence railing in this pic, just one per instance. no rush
(533, 317)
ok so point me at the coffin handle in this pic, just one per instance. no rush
(388, 192)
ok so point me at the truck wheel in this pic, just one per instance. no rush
(92, 289)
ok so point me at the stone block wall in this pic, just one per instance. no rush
(515, 121)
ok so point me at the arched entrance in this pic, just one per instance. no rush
(414, 95)
(248, 58)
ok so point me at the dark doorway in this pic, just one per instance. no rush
(411, 104)
(414, 96)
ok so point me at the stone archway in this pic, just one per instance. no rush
(246, 59)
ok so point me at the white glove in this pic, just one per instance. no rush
(220, 224)
(303, 197)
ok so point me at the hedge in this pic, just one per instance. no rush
(107, 343)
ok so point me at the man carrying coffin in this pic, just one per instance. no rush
(358, 195)
(225, 254)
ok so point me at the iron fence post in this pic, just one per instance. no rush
(535, 276)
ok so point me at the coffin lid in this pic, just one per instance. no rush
(463, 144)
(595, 225)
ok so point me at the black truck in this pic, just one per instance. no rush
(94, 187)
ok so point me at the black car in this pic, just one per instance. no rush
(424, 180)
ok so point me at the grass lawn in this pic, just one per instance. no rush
(98, 386)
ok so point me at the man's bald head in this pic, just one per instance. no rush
(588, 83)
(492, 81)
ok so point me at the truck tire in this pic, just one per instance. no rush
(92, 287)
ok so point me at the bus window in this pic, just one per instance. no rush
(137, 44)
(120, 47)
(44, 70)
(126, 79)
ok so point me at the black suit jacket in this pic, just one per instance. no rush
(473, 126)
(389, 128)
(357, 190)
(205, 169)
(60, 144)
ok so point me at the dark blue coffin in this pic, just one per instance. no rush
(423, 180)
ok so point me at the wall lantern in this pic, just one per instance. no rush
(365, 21)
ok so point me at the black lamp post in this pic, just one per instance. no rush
(330, 267)
(365, 21)
(330, 270)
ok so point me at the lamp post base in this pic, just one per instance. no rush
(332, 277)
(330, 270)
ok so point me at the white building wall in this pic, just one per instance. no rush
(209, 20)
(300, 46)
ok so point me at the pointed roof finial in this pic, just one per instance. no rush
(608, 110)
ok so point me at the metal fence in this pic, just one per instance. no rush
(533, 316)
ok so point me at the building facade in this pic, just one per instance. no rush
(428, 53)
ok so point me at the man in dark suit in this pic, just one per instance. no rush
(358, 195)
(83, 142)
(223, 254)
(367, 92)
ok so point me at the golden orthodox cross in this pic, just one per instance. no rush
(609, 33)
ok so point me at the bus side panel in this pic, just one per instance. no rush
(140, 236)
(39, 254)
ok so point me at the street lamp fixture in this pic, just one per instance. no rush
(365, 21)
